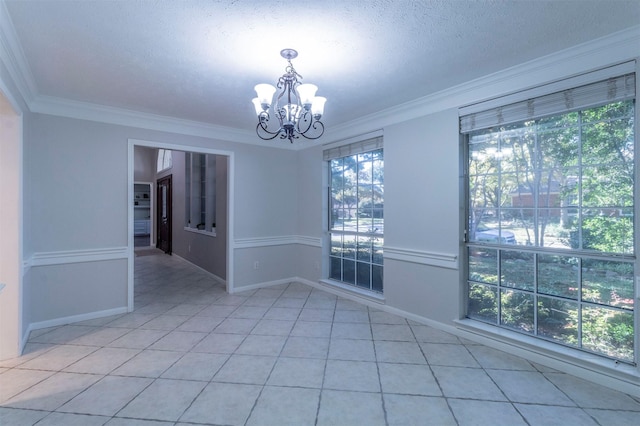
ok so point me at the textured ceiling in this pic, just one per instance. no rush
(199, 60)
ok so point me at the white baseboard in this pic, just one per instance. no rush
(616, 376)
(74, 318)
(263, 285)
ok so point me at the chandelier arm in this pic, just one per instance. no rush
(305, 117)
(315, 125)
(262, 128)
(294, 118)
(261, 131)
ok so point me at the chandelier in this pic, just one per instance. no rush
(297, 108)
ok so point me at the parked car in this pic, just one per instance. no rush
(494, 236)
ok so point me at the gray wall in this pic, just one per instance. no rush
(421, 215)
(78, 200)
(206, 251)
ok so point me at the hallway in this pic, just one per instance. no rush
(190, 354)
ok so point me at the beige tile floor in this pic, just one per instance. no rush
(190, 354)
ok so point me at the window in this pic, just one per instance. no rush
(200, 192)
(164, 160)
(550, 236)
(356, 216)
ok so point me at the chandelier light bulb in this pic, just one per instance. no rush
(317, 108)
(265, 94)
(257, 105)
(307, 92)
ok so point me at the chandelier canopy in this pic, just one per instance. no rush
(297, 107)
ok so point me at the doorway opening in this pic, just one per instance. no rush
(164, 208)
(172, 229)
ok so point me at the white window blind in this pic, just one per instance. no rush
(612, 89)
(353, 148)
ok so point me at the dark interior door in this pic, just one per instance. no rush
(163, 209)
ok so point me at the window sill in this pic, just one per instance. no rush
(548, 353)
(211, 233)
(359, 292)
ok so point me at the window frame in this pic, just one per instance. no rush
(164, 161)
(374, 240)
(500, 246)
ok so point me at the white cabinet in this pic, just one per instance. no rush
(141, 209)
(141, 227)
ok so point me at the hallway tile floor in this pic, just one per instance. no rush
(191, 354)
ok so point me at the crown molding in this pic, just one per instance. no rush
(610, 50)
(13, 58)
(124, 117)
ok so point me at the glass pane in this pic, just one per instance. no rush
(608, 283)
(349, 247)
(608, 186)
(336, 219)
(517, 270)
(609, 111)
(517, 310)
(605, 232)
(365, 173)
(608, 332)
(483, 303)
(483, 265)
(335, 270)
(558, 275)
(555, 227)
(378, 222)
(365, 196)
(558, 142)
(549, 231)
(607, 142)
(349, 271)
(483, 190)
(558, 320)
(364, 249)
(376, 278)
(518, 226)
(378, 174)
(482, 149)
(377, 250)
(336, 244)
(364, 275)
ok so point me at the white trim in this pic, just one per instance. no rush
(546, 89)
(124, 117)
(78, 256)
(263, 285)
(309, 241)
(230, 206)
(441, 260)
(613, 49)
(244, 243)
(608, 50)
(130, 227)
(201, 231)
(590, 367)
(350, 291)
(76, 318)
(14, 58)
